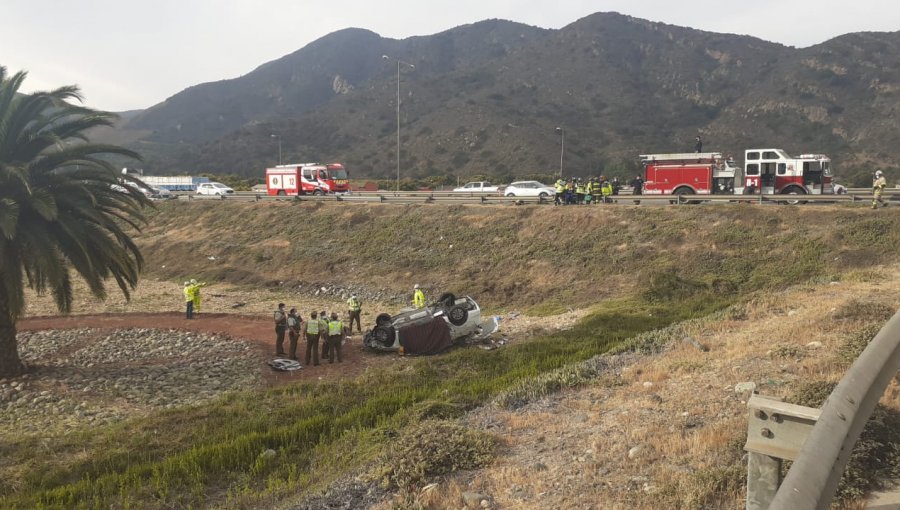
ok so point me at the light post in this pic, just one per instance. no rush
(411, 66)
(279, 147)
(562, 148)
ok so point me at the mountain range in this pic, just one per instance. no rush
(486, 99)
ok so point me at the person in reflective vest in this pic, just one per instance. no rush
(323, 328)
(335, 338)
(560, 191)
(579, 191)
(188, 300)
(418, 297)
(354, 309)
(570, 192)
(312, 339)
(878, 190)
(197, 298)
(606, 190)
(589, 189)
(280, 327)
(294, 322)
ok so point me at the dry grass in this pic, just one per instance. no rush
(677, 408)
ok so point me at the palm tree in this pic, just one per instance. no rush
(61, 206)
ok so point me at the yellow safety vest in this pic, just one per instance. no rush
(312, 327)
(419, 299)
(335, 328)
(560, 186)
(607, 189)
(354, 305)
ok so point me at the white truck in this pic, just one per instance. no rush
(478, 187)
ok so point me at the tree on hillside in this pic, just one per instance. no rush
(61, 206)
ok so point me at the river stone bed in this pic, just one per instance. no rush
(90, 376)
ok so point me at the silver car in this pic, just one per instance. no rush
(528, 189)
(427, 330)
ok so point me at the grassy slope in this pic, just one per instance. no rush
(689, 260)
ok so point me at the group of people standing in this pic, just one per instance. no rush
(192, 297)
(319, 327)
(593, 189)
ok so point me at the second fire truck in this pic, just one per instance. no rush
(307, 179)
(765, 171)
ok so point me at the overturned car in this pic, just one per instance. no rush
(431, 329)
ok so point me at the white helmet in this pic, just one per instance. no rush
(416, 286)
(187, 283)
(878, 173)
(193, 280)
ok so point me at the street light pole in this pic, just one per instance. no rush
(411, 66)
(562, 148)
(279, 147)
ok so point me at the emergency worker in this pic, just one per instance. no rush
(570, 191)
(354, 309)
(560, 187)
(418, 297)
(589, 190)
(312, 339)
(698, 144)
(606, 190)
(638, 184)
(323, 318)
(197, 297)
(293, 327)
(335, 338)
(878, 190)
(579, 191)
(280, 328)
(188, 300)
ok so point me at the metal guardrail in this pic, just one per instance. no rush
(818, 441)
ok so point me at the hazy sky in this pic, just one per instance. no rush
(130, 54)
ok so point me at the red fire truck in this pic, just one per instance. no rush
(766, 171)
(307, 179)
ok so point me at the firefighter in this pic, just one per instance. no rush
(188, 300)
(312, 339)
(615, 186)
(638, 184)
(335, 337)
(418, 297)
(560, 191)
(579, 191)
(280, 328)
(698, 145)
(606, 190)
(878, 190)
(294, 323)
(589, 188)
(354, 309)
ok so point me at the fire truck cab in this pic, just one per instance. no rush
(773, 171)
(691, 173)
(307, 179)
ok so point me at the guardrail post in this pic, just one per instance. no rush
(775, 431)
(257, 197)
(763, 480)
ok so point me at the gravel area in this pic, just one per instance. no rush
(93, 376)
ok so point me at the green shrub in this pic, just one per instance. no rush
(857, 342)
(858, 310)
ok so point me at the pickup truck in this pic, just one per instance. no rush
(478, 187)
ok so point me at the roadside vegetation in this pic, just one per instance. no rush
(641, 271)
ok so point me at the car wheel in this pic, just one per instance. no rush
(510, 194)
(543, 195)
(458, 315)
(383, 335)
(383, 320)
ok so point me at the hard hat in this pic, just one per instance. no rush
(416, 286)
(187, 283)
(193, 280)
(353, 295)
(878, 173)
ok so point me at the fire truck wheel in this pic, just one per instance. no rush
(683, 192)
(281, 193)
(383, 320)
(794, 191)
(318, 193)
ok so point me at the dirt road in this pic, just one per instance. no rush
(254, 330)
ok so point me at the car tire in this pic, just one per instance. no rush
(383, 320)
(458, 315)
(544, 195)
(510, 194)
(383, 336)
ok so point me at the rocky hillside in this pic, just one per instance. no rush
(485, 99)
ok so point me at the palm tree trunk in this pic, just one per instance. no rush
(10, 364)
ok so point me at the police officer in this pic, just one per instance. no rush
(335, 337)
(418, 297)
(323, 328)
(579, 191)
(560, 191)
(354, 309)
(878, 190)
(606, 190)
(293, 327)
(312, 339)
(280, 328)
